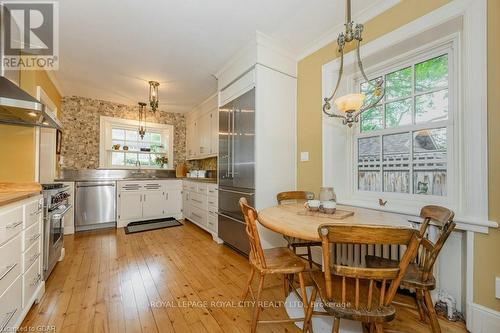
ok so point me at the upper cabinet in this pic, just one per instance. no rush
(202, 130)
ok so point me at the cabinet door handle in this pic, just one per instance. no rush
(33, 258)
(37, 212)
(194, 214)
(13, 225)
(35, 237)
(144, 198)
(167, 196)
(36, 280)
(7, 270)
(9, 316)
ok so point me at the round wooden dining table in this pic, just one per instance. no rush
(292, 220)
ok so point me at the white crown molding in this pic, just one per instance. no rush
(375, 9)
(264, 40)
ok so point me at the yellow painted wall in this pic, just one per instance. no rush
(17, 143)
(487, 247)
(309, 131)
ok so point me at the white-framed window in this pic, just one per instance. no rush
(403, 147)
(121, 146)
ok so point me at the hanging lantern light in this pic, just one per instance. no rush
(349, 107)
(142, 119)
(153, 95)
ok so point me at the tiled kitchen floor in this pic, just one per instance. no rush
(166, 280)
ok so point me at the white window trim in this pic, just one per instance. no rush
(448, 46)
(470, 122)
(105, 143)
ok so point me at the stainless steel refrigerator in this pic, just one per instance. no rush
(236, 168)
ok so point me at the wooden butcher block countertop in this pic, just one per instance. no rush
(12, 192)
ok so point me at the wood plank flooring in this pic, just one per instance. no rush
(169, 280)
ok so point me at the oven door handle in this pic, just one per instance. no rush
(231, 218)
(250, 194)
(60, 215)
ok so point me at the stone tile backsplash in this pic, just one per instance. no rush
(80, 119)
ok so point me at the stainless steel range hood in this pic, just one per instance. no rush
(20, 108)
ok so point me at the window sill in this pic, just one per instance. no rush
(465, 223)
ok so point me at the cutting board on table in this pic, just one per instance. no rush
(339, 214)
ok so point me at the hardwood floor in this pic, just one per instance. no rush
(168, 280)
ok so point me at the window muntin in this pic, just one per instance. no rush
(124, 136)
(402, 146)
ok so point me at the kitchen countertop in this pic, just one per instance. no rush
(202, 180)
(113, 179)
(12, 192)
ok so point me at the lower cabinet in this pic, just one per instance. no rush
(130, 206)
(153, 204)
(21, 243)
(199, 202)
(146, 200)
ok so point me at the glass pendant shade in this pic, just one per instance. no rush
(142, 119)
(153, 95)
(350, 102)
(349, 107)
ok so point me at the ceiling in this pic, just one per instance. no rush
(110, 49)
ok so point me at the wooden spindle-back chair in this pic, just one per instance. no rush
(419, 275)
(352, 292)
(296, 243)
(270, 261)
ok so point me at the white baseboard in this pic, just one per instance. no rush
(482, 319)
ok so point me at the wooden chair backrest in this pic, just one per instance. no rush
(350, 234)
(428, 252)
(294, 195)
(250, 215)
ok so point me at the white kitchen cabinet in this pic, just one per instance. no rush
(214, 131)
(153, 204)
(200, 205)
(174, 201)
(191, 139)
(204, 137)
(202, 130)
(130, 207)
(21, 241)
(145, 200)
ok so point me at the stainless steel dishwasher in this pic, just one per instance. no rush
(95, 205)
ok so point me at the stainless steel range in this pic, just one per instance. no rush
(55, 203)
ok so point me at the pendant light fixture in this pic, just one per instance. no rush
(153, 95)
(350, 106)
(142, 119)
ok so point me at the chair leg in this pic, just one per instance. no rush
(379, 328)
(419, 300)
(303, 293)
(285, 285)
(336, 325)
(432, 313)
(310, 308)
(257, 305)
(309, 257)
(249, 284)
